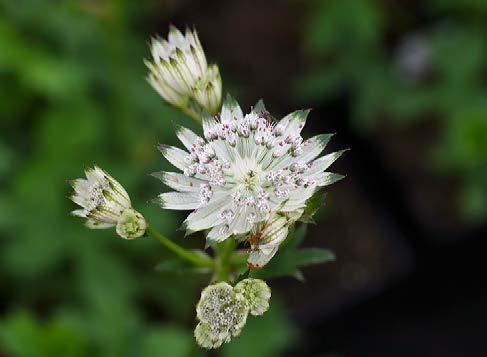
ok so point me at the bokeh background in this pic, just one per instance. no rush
(402, 83)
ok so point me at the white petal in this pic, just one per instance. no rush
(257, 259)
(311, 149)
(240, 224)
(219, 233)
(179, 182)
(95, 224)
(187, 137)
(79, 213)
(327, 178)
(209, 215)
(294, 122)
(209, 123)
(179, 201)
(324, 162)
(230, 110)
(174, 155)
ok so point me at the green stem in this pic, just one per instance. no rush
(181, 252)
(224, 253)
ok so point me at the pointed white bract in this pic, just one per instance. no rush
(268, 236)
(244, 171)
(105, 203)
(180, 74)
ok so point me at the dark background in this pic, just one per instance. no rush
(401, 83)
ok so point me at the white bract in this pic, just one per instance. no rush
(268, 237)
(180, 74)
(246, 169)
(105, 203)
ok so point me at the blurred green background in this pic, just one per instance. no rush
(407, 78)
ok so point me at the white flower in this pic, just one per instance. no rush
(180, 74)
(105, 203)
(246, 169)
(222, 314)
(257, 294)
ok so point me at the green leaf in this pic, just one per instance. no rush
(22, 335)
(313, 204)
(310, 256)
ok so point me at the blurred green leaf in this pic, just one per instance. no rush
(290, 259)
(21, 335)
(263, 336)
(168, 340)
(313, 204)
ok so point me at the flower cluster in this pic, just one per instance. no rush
(222, 310)
(247, 177)
(247, 170)
(105, 203)
(180, 74)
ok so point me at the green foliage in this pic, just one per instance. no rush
(266, 336)
(169, 338)
(313, 204)
(350, 44)
(23, 336)
(73, 91)
(290, 259)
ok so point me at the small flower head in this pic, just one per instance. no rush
(245, 170)
(131, 224)
(105, 203)
(257, 294)
(180, 74)
(222, 314)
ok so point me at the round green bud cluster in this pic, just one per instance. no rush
(257, 294)
(222, 314)
(131, 224)
(222, 310)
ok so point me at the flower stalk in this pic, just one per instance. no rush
(181, 252)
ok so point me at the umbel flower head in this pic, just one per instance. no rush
(180, 74)
(222, 310)
(257, 294)
(222, 314)
(105, 203)
(246, 169)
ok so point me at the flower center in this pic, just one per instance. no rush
(250, 180)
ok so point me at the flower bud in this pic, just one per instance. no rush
(269, 236)
(257, 294)
(105, 203)
(131, 224)
(222, 314)
(180, 74)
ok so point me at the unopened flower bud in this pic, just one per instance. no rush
(180, 73)
(131, 224)
(257, 294)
